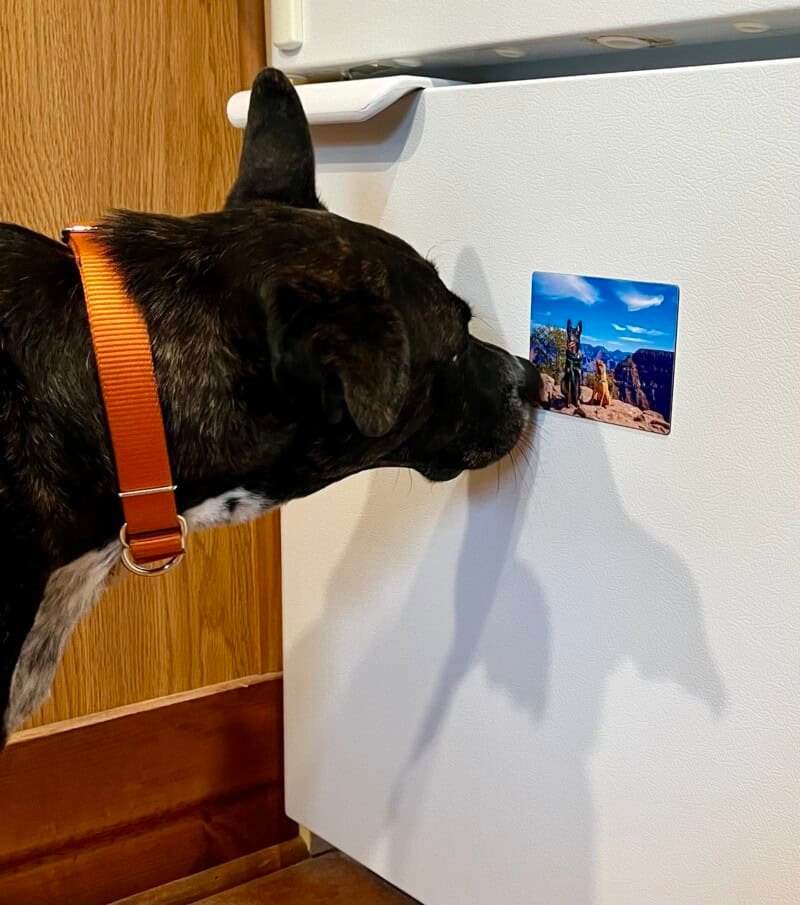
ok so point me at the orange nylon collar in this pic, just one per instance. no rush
(153, 531)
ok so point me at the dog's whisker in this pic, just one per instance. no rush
(524, 470)
(514, 468)
(492, 324)
(437, 245)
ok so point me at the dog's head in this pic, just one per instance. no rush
(600, 367)
(574, 336)
(370, 354)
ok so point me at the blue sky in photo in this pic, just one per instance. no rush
(618, 314)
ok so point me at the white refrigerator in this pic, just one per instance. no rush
(573, 679)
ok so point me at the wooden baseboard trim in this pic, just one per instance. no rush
(101, 808)
(223, 877)
(116, 713)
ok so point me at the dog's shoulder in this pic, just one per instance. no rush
(32, 263)
(17, 242)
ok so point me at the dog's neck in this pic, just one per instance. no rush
(212, 366)
(213, 374)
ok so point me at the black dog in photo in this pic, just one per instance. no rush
(292, 348)
(571, 382)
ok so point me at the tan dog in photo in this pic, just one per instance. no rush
(601, 395)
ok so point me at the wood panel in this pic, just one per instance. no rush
(121, 103)
(253, 38)
(227, 876)
(116, 103)
(216, 617)
(109, 805)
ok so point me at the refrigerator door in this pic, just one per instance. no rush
(333, 35)
(575, 680)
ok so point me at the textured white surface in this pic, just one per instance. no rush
(581, 687)
(338, 34)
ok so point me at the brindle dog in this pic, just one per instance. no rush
(292, 348)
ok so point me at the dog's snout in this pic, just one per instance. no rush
(528, 385)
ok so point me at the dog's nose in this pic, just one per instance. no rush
(528, 386)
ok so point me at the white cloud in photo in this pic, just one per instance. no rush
(566, 286)
(618, 328)
(644, 331)
(635, 339)
(638, 301)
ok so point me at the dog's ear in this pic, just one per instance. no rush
(579, 328)
(569, 326)
(277, 162)
(367, 346)
(353, 351)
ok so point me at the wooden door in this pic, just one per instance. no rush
(121, 103)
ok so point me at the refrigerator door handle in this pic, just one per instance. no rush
(354, 101)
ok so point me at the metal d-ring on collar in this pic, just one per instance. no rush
(160, 567)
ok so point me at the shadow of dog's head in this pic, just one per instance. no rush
(371, 356)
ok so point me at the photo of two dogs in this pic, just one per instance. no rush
(571, 381)
(614, 361)
(292, 347)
